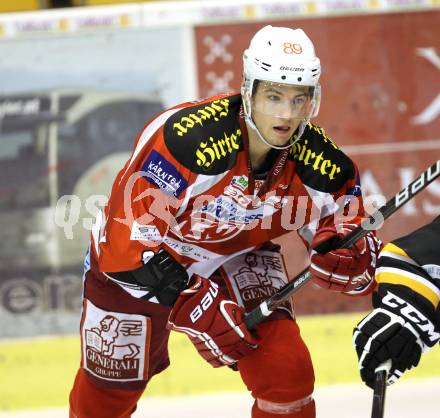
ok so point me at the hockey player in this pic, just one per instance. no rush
(184, 243)
(405, 321)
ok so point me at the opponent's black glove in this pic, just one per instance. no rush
(401, 328)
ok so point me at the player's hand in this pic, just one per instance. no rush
(396, 330)
(213, 323)
(349, 270)
(163, 276)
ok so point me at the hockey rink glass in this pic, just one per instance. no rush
(286, 101)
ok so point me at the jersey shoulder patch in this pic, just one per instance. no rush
(320, 163)
(205, 137)
(160, 172)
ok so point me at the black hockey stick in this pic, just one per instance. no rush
(265, 308)
(380, 385)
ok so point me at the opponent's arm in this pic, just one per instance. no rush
(405, 322)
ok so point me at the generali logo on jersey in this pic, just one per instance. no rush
(114, 344)
(256, 276)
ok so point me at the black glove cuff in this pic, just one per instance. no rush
(162, 276)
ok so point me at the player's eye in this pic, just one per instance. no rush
(273, 97)
(299, 100)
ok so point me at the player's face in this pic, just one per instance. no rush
(278, 109)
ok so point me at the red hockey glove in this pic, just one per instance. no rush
(348, 270)
(213, 323)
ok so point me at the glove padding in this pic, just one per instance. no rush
(348, 270)
(383, 335)
(396, 331)
(213, 323)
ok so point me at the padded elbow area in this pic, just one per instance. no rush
(279, 373)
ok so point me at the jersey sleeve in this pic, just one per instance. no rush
(349, 204)
(412, 263)
(143, 204)
(332, 181)
(337, 195)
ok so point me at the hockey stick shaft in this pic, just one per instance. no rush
(380, 385)
(396, 202)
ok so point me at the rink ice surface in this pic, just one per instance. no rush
(405, 399)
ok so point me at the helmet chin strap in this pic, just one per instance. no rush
(301, 127)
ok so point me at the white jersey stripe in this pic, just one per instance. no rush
(390, 254)
(412, 276)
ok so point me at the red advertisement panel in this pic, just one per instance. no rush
(380, 78)
(380, 103)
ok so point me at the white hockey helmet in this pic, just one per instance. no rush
(283, 56)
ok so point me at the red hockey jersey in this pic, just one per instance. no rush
(188, 187)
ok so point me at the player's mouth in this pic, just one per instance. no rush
(282, 129)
